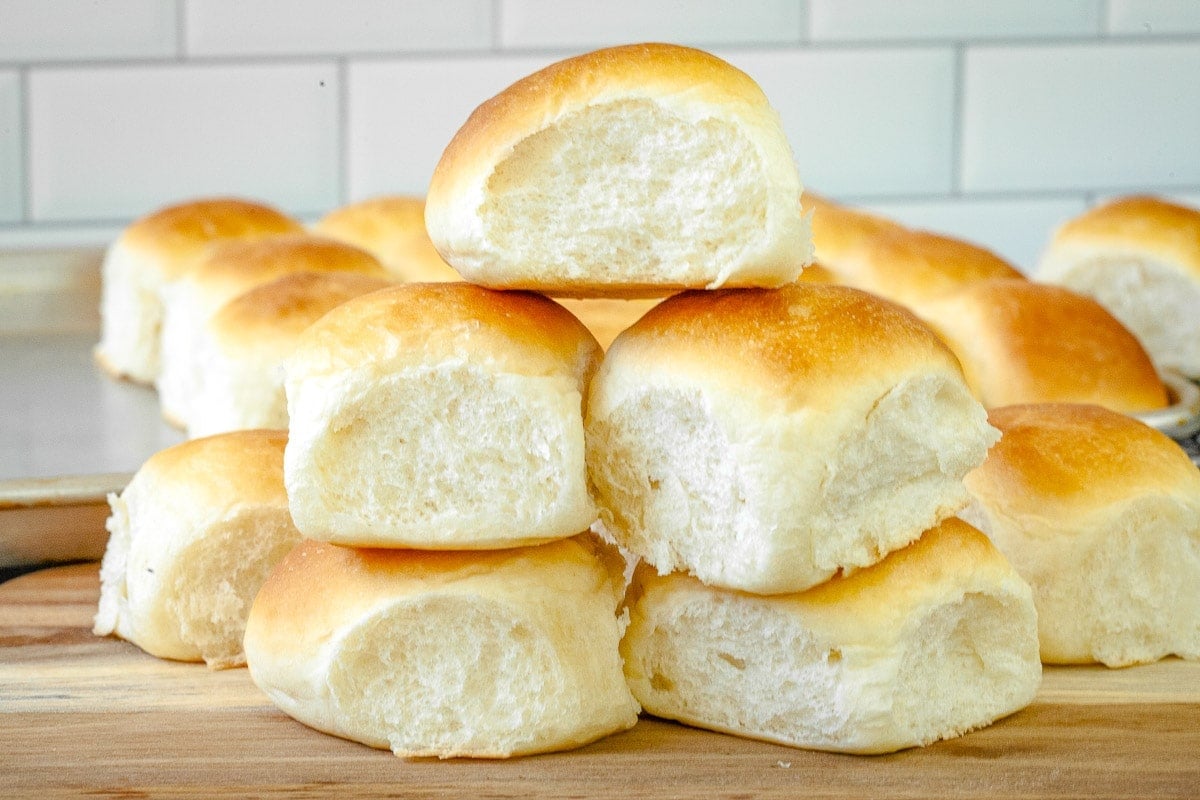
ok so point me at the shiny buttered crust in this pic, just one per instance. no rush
(487, 654)
(908, 266)
(1140, 258)
(226, 269)
(1101, 514)
(170, 237)
(1026, 342)
(193, 536)
(271, 317)
(938, 639)
(764, 439)
(838, 230)
(392, 228)
(559, 124)
(440, 415)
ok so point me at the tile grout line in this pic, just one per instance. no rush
(181, 30)
(343, 129)
(956, 120)
(497, 27)
(24, 116)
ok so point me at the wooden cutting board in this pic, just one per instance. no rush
(80, 715)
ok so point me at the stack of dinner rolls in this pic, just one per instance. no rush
(776, 452)
(450, 600)
(764, 438)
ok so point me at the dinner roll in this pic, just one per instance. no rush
(816, 273)
(1101, 514)
(607, 317)
(193, 536)
(391, 228)
(1026, 342)
(910, 267)
(1140, 258)
(242, 349)
(838, 230)
(629, 171)
(765, 440)
(223, 271)
(153, 251)
(490, 654)
(440, 415)
(936, 640)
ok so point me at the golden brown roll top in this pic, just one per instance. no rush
(487, 654)
(391, 228)
(764, 440)
(150, 253)
(1026, 342)
(838, 230)
(799, 345)
(1067, 460)
(171, 237)
(227, 269)
(935, 640)
(628, 171)
(274, 314)
(1101, 514)
(1140, 258)
(520, 332)
(910, 267)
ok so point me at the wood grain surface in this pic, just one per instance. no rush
(85, 716)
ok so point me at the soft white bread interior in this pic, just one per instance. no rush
(936, 640)
(1140, 258)
(223, 271)
(764, 440)
(628, 171)
(910, 266)
(1026, 342)
(487, 654)
(193, 536)
(391, 228)
(440, 415)
(150, 253)
(1101, 514)
(241, 351)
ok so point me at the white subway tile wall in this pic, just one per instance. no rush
(991, 121)
(1153, 17)
(871, 122)
(855, 20)
(586, 23)
(70, 30)
(12, 176)
(402, 115)
(118, 141)
(307, 27)
(1078, 116)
